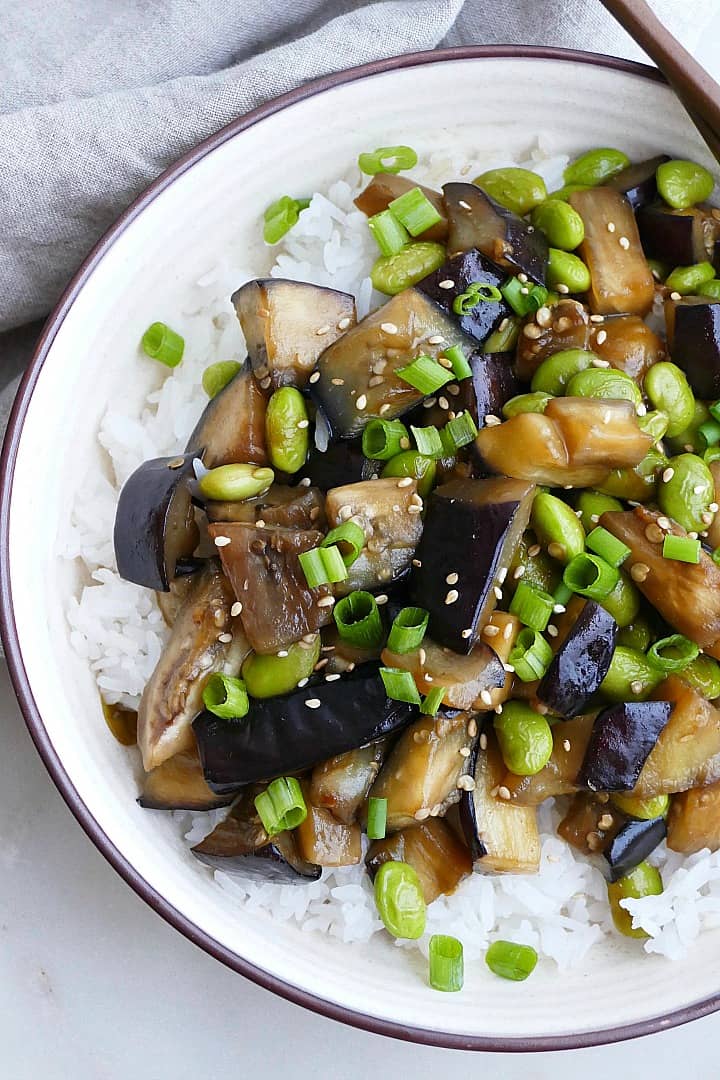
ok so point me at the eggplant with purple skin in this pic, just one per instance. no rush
(477, 221)
(342, 463)
(632, 845)
(620, 744)
(687, 754)
(693, 330)
(638, 182)
(286, 507)
(493, 383)
(384, 187)
(471, 532)
(439, 858)
(179, 784)
(581, 663)
(284, 735)
(464, 677)
(232, 427)
(589, 824)
(155, 521)
(678, 237)
(462, 270)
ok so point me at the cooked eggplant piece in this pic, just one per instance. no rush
(179, 784)
(590, 824)
(325, 841)
(433, 850)
(637, 183)
(678, 237)
(502, 631)
(687, 595)
(420, 777)
(493, 383)
(713, 530)
(287, 324)
(262, 564)
(342, 463)
(357, 373)
(599, 431)
(581, 663)
(171, 601)
(560, 775)
(390, 518)
(477, 221)
(121, 722)
(500, 834)
(232, 427)
(173, 695)
(461, 270)
(342, 783)
(687, 754)
(628, 345)
(622, 282)
(471, 531)
(465, 678)
(621, 740)
(284, 735)
(632, 845)
(155, 521)
(569, 328)
(240, 832)
(694, 820)
(385, 187)
(693, 327)
(286, 507)
(342, 655)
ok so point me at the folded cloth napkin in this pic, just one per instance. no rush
(98, 97)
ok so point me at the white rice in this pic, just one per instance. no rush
(116, 626)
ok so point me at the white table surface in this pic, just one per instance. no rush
(96, 986)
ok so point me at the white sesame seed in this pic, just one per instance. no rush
(447, 283)
(492, 421)
(302, 682)
(388, 328)
(452, 596)
(562, 288)
(467, 633)
(381, 599)
(453, 389)
(302, 424)
(404, 443)
(222, 541)
(332, 678)
(443, 403)
(361, 403)
(260, 523)
(636, 686)
(414, 509)
(236, 608)
(525, 290)
(309, 639)
(518, 572)
(283, 653)
(405, 482)
(713, 508)
(422, 814)
(522, 278)
(483, 741)
(435, 339)
(597, 362)
(601, 337)
(314, 377)
(491, 631)
(472, 728)
(558, 609)
(465, 205)
(566, 744)
(664, 523)
(502, 574)
(509, 668)
(698, 489)
(176, 463)
(693, 535)
(385, 408)
(668, 474)
(508, 631)
(451, 579)
(486, 697)
(552, 630)
(597, 318)
(313, 703)
(557, 550)
(464, 751)
(532, 330)
(641, 409)
(534, 550)
(422, 657)
(344, 323)
(429, 402)
(706, 517)
(639, 571)
(338, 382)
(675, 296)
(444, 362)
(498, 592)
(265, 383)
(594, 518)
(611, 226)
(326, 601)
(503, 792)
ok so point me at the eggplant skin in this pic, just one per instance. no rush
(620, 744)
(468, 266)
(581, 663)
(694, 336)
(284, 735)
(342, 463)
(632, 844)
(277, 861)
(178, 784)
(232, 426)
(637, 183)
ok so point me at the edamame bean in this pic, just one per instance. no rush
(568, 271)
(561, 224)
(518, 190)
(286, 429)
(711, 289)
(603, 383)
(636, 635)
(623, 603)
(703, 674)
(558, 527)
(654, 806)
(399, 900)
(233, 483)
(592, 504)
(596, 166)
(654, 424)
(643, 880)
(690, 439)
(564, 193)
(683, 183)
(525, 738)
(504, 339)
(638, 483)
(557, 370)
(668, 390)
(524, 403)
(266, 676)
(685, 492)
(393, 273)
(687, 280)
(217, 376)
(412, 463)
(539, 569)
(630, 676)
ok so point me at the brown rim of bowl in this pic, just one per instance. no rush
(8, 629)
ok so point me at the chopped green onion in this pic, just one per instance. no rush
(524, 298)
(562, 594)
(161, 343)
(672, 653)
(388, 159)
(217, 376)
(530, 655)
(711, 454)
(428, 441)
(352, 539)
(377, 818)
(390, 235)
(681, 549)
(414, 210)
(226, 697)
(322, 565)
(357, 618)
(532, 606)
(603, 543)
(511, 961)
(709, 432)
(281, 805)
(715, 410)
(432, 701)
(460, 366)
(280, 217)
(446, 963)
(591, 576)
(383, 439)
(477, 292)
(399, 685)
(461, 430)
(408, 630)
(503, 340)
(425, 374)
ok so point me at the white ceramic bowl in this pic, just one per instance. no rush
(141, 271)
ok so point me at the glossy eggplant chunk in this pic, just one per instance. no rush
(694, 820)
(471, 532)
(465, 677)
(620, 743)
(341, 783)
(632, 845)
(569, 327)
(687, 754)
(493, 383)
(581, 663)
(560, 775)
(285, 507)
(155, 521)
(693, 326)
(342, 463)
(627, 343)
(287, 324)
(590, 823)
(477, 221)
(437, 855)
(461, 270)
(678, 237)
(263, 568)
(324, 841)
(240, 832)
(171, 601)
(637, 183)
(284, 735)
(385, 187)
(231, 430)
(179, 784)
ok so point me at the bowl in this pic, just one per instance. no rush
(490, 97)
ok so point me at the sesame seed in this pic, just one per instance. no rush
(492, 421)
(338, 382)
(639, 571)
(693, 535)
(503, 792)
(597, 318)
(675, 296)
(465, 206)
(654, 534)
(417, 562)
(326, 601)
(332, 678)
(405, 482)
(611, 226)
(566, 744)
(562, 288)
(706, 517)
(309, 638)
(422, 814)
(302, 424)
(552, 630)
(486, 697)
(444, 362)
(483, 741)
(451, 579)
(605, 822)
(601, 337)
(534, 550)
(543, 317)
(388, 328)
(283, 653)
(443, 403)
(531, 330)
(385, 408)
(525, 290)
(624, 243)
(381, 599)
(508, 631)
(641, 409)
(414, 509)
(313, 703)
(225, 638)
(464, 751)
(466, 783)
(404, 443)
(502, 574)
(452, 596)
(698, 489)
(498, 592)
(429, 403)
(597, 362)
(491, 631)
(636, 686)
(668, 474)
(594, 518)
(447, 283)
(558, 609)
(375, 380)
(176, 463)
(664, 523)
(361, 403)
(315, 377)
(713, 508)
(556, 550)
(472, 728)
(466, 633)
(453, 389)
(303, 682)
(344, 323)
(509, 668)
(422, 657)
(594, 841)
(435, 339)
(236, 608)
(428, 678)
(518, 572)
(522, 278)
(222, 541)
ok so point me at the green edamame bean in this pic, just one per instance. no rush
(703, 674)
(643, 880)
(639, 483)
(687, 280)
(518, 190)
(636, 635)
(393, 273)
(596, 166)
(630, 676)
(623, 602)
(654, 806)
(567, 270)
(525, 738)
(654, 424)
(505, 339)
(562, 225)
(286, 429)
(668, 390)
(683, 183)
(686, 492)
(557, 370)
(690, 439)
(710, 288)
(412, 463)
(233, 483)
(266, 676)
(399, 899)
(563, 194)
(540, 570)
(592, 504)
(217, 376)
(524, 403)
(603, 383)
(557, 527)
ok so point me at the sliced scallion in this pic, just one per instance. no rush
(432, 701)
(461, 430)
(681, 549)
(358, 620)
(562, 594)
(715, 410)
(532, 606)
(383, 439)
(377, 818)
(408, 630)
(477, 292)
(387, 159)
(280, 217)
(460, 366)
(390, 234)
(161, 343)
(446, 966)
(428, 441)
(607, 546)
(709, 432)
(322, 565)
(591, 576)
(672, 653)
(524, 298)
(226, 697)
(530, 655)
(400, 685)
(217, 376)
(350, 540)
(414, 210)
(425, 374)
(281, 805)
